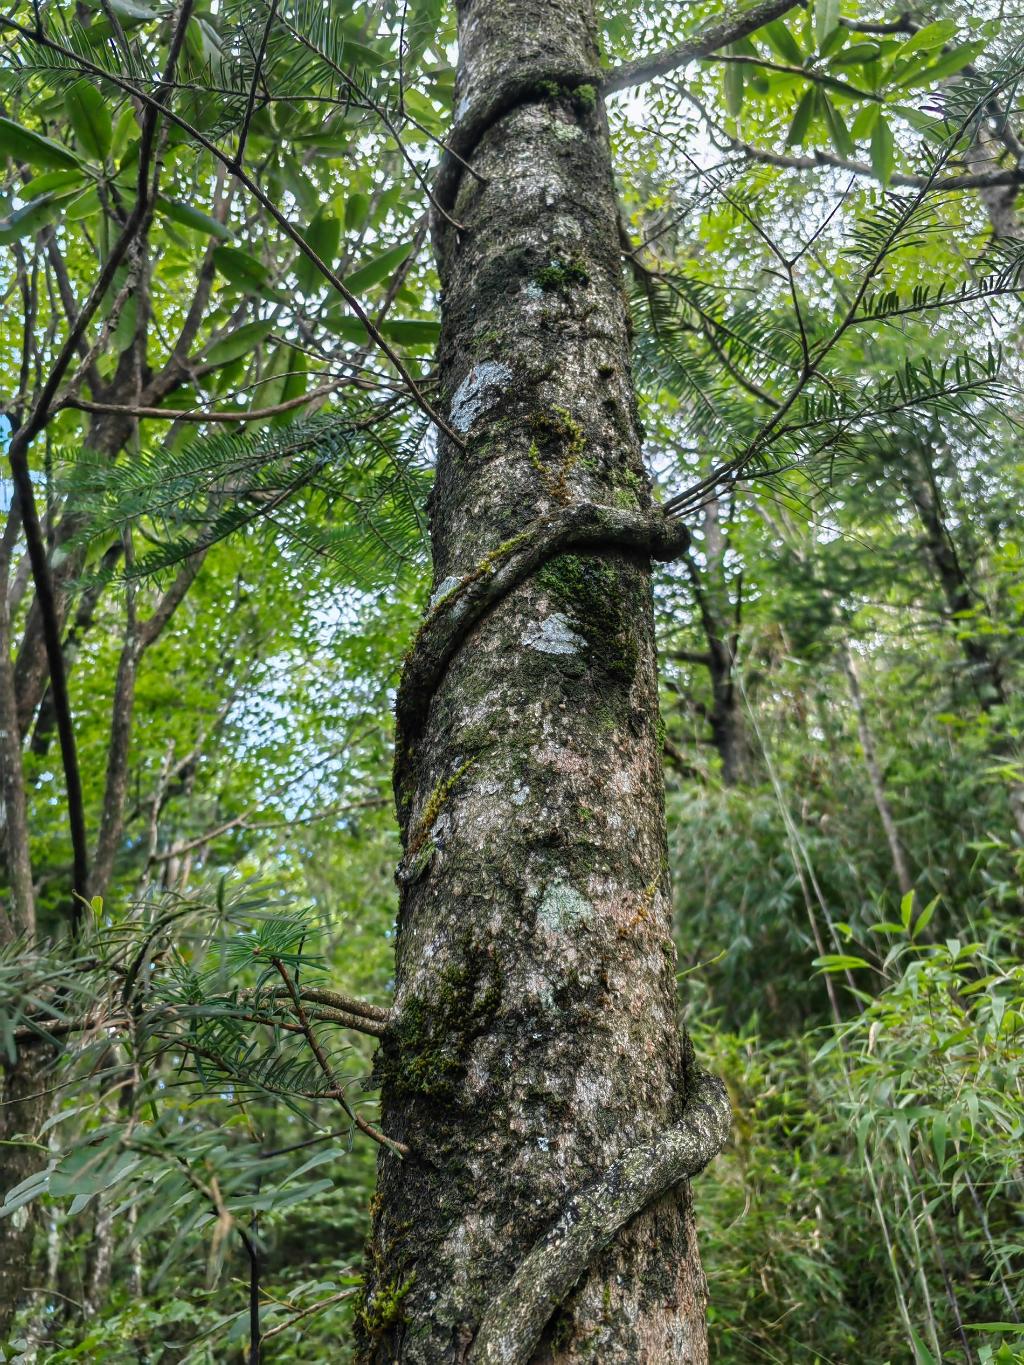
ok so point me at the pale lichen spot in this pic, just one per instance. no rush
(553, 635)
(562, 908)
(443, 588)
(568, 132)
(478, 392)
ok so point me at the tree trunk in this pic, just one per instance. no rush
(874, 769)
(984, 664)
(720, 619)
(537, 1038)
(984, 667)
(24, 1104)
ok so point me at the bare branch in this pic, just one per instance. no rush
(702, 44)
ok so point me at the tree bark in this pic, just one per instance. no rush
(17, 916)
(720, 620)
(536, 1040)
(24, 1104)
(983, 663)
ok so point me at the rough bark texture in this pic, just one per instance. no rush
(536, 1038)
(24, 1104)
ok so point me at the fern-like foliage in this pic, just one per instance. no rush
(727, 375)
(181, 992)
(342, 486)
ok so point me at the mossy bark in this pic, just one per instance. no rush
(536, 1036)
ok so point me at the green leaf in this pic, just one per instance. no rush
(412, 331)
(124, 332)
(857, 54)
(85, 206)
(422, 24)
(323, 235)
(380, 268)
(932, 128)
(833, 42)
(802, 118)
(193, 218)
(939, 1139)
(403, 331)
(839, 962)
(296, 380)
(34, 150)
(133, 9)
(863, 125)
(841, 139)
(882, 151)
(782, 42)
(90, 119)
(922, 1355)
(36, 214)
(947, 65)
(826, 18)
(907, 909)
(924, 918)
(357, 210)
(929, 37)
(51, 180)
(243, 340)
(732, 83)
(240, 269)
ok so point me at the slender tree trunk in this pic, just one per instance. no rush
(21, 1109)
(867, 743)
(17, 908)
(983, 663)
(537, 1038)
(24, 1105)
(919, 482)
(719, 617)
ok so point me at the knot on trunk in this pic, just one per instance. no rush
(584, 526)
(548, 80)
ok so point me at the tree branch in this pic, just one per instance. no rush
(399, 1148)
(583, 527)
(702, 44)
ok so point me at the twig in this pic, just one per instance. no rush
(399, 1148)
(702, 44)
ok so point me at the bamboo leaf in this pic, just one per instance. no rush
(380, 268)
(798, 129)
(826, 19)
(20, 144)
(90, 119)
(882, 151)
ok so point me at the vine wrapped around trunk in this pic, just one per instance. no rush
(535, 1049)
